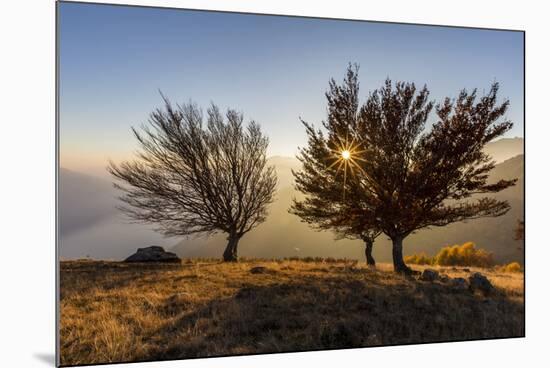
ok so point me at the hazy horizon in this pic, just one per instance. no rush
(100, 169)
(91, 225)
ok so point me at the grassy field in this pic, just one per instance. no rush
(113, 312)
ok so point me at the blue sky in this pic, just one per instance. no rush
(114, 60)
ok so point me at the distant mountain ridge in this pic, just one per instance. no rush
(91, 225)
(505, 148)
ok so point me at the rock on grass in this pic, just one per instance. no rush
(479, 282)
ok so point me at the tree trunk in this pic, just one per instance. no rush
(230, 253)
(399, 265)
(368, 253)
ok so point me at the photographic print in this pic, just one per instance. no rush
(235, 184)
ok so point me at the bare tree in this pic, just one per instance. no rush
(407, 176)
(189, 178)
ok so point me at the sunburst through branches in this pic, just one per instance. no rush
(346, 156)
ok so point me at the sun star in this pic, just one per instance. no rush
(346, 157)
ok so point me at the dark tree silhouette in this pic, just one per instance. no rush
(189, 178)
(519, 231)
(346, 221)
(325, 174)
(407, 176)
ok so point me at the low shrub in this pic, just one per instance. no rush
(510, 267)
(419, 259)
(455, 255)
(464, 255)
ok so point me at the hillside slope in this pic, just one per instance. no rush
(113, 312)
(505, 148)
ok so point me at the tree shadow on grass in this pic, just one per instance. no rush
(331, 314)
(107, 275)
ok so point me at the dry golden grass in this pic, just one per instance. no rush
(115, 312)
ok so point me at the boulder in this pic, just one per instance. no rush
(429, 275)
(458, 284)
(153, 253)
(443, 278)
(479, 282)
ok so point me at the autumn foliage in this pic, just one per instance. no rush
(512, 267)
(400, 162)
(466, 254)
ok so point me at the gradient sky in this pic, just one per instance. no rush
(114, 60)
